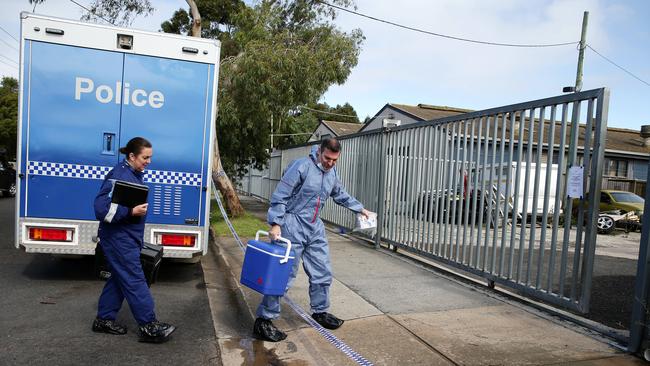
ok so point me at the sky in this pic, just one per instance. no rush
(405, 67)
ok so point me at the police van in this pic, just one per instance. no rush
(85, 91)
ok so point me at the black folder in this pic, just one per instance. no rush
(129, 194)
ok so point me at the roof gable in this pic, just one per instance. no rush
(342, 128)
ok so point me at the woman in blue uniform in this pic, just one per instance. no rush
(121, 234)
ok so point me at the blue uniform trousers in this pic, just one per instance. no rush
(127, 281)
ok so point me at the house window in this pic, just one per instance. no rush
(325, 136)
(616, 168)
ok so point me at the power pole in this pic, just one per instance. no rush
(271, 133)
(581, 51)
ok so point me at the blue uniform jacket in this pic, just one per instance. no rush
(116, 224)
(303, 190)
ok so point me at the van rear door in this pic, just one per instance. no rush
(168, 103)
(72, 121)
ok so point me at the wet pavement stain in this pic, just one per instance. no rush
(255, 354)
(53, 298)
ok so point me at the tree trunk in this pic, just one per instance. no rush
(233, 205)
(196, 16)
(219, 176)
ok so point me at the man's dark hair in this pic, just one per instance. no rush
(330, 144)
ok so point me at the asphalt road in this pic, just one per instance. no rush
(48, 304)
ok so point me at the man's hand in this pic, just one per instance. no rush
(275, 232)
(139, 210)
(366, 214)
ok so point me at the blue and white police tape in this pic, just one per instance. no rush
(322, 331)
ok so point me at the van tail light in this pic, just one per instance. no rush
(51, 234)
(176, 240)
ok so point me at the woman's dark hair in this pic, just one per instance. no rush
(135, 146)
(330, 144)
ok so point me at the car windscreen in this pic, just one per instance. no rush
(627, 197)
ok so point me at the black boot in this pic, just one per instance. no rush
(327, 320)
(108, 326)
(156, 332)
(266, 331)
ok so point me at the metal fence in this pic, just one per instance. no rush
(640, 328)
(485, 192)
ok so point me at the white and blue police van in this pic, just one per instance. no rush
(87, 89)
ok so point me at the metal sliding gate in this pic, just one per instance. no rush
(488, 192)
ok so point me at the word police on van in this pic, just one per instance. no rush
(104, 93)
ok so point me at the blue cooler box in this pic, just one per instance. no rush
(263, 270)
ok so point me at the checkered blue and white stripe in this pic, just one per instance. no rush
(81, 171)
(67, 170)
(177, 178)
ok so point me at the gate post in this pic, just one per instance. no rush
(250, 179)
(639, 330)
(381, 194)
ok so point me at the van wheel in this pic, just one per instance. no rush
(12, 190)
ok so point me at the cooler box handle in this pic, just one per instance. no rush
(286, 255)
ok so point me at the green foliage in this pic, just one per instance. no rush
(245, 225)
(276, 56)
(8, 115)
(180, 23)
(118, 12)
(216, 22)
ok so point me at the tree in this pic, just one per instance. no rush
(276, 56)
(8, 115)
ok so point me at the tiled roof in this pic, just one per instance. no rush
(342, 128)
(428, 112)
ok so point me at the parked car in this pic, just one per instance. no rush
(611, 200)
(622, 201)
(616, 209)
(7, 179)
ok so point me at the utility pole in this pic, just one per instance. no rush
(271, 134)
(581, 51)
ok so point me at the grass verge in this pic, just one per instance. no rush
(246, 225)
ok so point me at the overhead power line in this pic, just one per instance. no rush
(617, 65)
(8, 44)
(9, 34)
(92, 12)
(332, 113)
(444, 35)
(291, 134)
(7, 58)
(8, 64)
